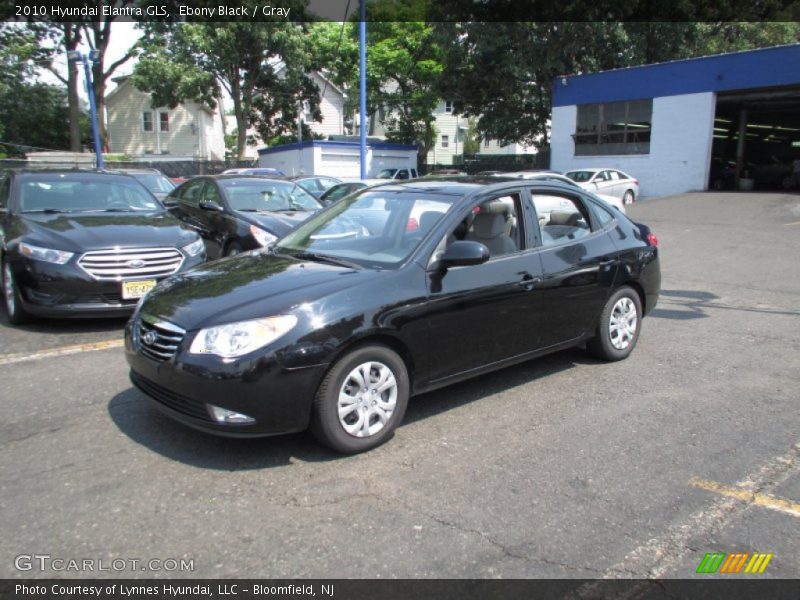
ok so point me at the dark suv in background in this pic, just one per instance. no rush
(77, 243)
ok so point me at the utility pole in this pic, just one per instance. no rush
(87, 60)
(362, 45)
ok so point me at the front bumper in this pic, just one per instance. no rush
(66, 291)
(258, 385)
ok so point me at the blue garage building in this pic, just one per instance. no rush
(724, 121)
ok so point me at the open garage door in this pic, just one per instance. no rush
(756, 140)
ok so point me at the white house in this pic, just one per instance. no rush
(450, 130)
(188, 131)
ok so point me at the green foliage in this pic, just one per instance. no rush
(472, 139)
(263, 66)
(32, 114)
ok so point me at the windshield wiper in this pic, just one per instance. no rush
(334, 260)
(49, 211)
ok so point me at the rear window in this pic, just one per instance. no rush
(84, 192)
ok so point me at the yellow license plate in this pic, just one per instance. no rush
(132, 290)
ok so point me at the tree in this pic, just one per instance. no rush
(97, 33)
(262, 66)
(404, 64)
(472, 140)
(502, 72)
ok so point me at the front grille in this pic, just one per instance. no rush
(131, 263)
(157, 340)
(171, 399)
(107, 298)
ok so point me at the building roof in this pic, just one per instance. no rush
(762, 68)
(328, 144)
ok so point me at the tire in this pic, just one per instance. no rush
(615, 337)
(628, 198)
(12, 300)
(233, 249)
(351, 432)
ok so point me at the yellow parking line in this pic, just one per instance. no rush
(758, 499)
(7, 359)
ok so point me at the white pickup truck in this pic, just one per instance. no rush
(405, 173)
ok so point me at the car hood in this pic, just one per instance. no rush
(249, 286)
(96, 231)
(276, 223)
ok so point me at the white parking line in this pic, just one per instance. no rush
(7, 359)
(660, 555)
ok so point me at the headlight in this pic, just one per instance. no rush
(50, 255)
(264, 238)
(236, 339)
(195, 248)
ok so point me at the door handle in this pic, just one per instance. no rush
(528, 282)
(606, 261)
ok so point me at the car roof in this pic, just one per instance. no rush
(65, 171)
(225, 176)
(465, 185)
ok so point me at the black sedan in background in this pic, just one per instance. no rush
(234, 213)
(85, 243)
(338, 333)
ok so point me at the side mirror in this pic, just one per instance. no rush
(213, 206)
(464, 253)
(169, 203)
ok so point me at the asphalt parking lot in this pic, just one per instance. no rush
(561, 467)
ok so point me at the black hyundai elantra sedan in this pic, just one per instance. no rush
(81, 243)
(235, 213)
(338, 333)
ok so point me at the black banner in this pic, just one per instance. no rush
(348, 589)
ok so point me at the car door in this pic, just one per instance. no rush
(600, 182)
(187, 200)
(215, 224)
(483, 314)
(579, 263)
(614, 184)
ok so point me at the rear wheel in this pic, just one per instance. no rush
(628, 198)
(11, 296)
(361, 401)
(618, 329)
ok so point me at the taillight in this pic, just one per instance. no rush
(652, 239)
(636, 181)
(412, 225)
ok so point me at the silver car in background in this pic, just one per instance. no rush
(609, 182)
(553, 176)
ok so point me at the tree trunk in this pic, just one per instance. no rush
(71, 39)
(74, 108)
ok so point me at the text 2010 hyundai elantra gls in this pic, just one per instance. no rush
(338, 333)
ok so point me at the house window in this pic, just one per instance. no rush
(163, 121)
(614, 128)
(445, 141)
(448, 107)
(147, 121)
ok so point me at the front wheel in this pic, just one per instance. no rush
(12, 300)
(618, 329)
(361, 401)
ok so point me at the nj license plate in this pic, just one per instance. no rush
(132, 290)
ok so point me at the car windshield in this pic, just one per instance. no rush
(371, 228)
(387, 174)
(266, 195)
(84, 192)
(338, 192)
(580, 176)
(155, 182)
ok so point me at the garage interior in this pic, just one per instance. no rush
(756, 140)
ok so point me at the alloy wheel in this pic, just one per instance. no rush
(8, 290)
(623, 323)
(367, 399)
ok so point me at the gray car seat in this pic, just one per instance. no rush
(489, 229)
